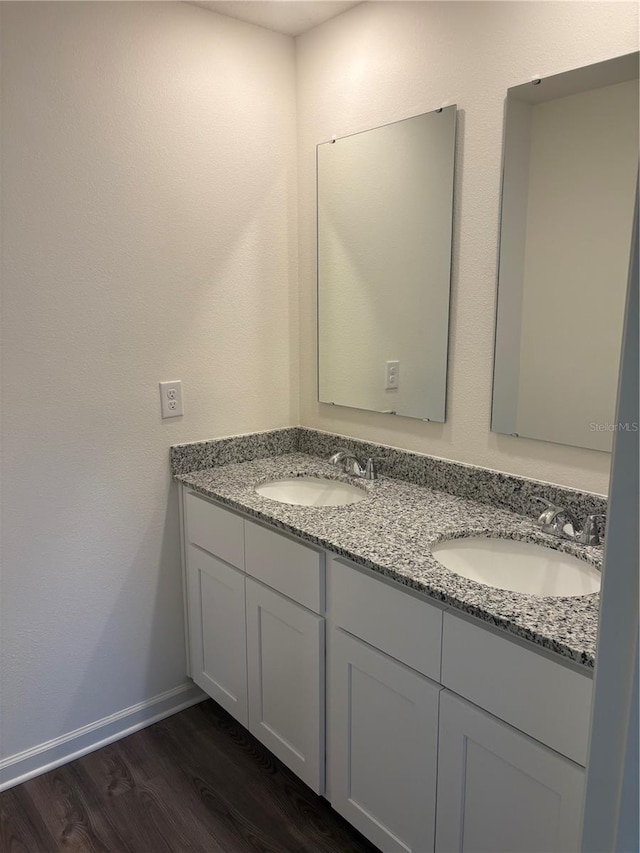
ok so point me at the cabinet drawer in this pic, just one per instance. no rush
(394, 621)
(295, 570)
(215, 529)
(547, 700)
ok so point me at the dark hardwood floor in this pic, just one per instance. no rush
(194, 782)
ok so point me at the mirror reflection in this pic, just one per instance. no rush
(570, 171)
(385, 201)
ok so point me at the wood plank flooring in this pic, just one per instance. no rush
(196, 782)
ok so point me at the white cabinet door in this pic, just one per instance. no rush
(217, 631)
(500, 791)
(285, 658)
(382, 745)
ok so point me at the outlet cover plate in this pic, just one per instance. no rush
(171, 399)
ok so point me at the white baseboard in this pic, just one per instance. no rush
(47, 756)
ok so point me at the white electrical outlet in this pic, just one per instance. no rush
(392, 375)
(171, 399)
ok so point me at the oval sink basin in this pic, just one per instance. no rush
(518, 566)
(311, 491)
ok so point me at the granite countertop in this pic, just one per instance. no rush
(392, 532)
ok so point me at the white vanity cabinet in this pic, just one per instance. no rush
(382, 711)
(503, 764)
(255, 644)
(442, 733)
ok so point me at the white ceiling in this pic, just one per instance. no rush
(291, 17)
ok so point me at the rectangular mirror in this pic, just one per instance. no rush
(568, 192)
(385, 199)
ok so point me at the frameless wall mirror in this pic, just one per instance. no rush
(568, 192)
(385, 200)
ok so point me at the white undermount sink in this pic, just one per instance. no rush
(518, 566)
(311, 491)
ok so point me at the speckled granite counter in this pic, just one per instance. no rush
(392, 532)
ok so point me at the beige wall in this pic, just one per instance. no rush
(148, 175)
(380, 62)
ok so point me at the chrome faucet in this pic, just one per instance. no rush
(352, 465)
(590, 534)
(560, 521)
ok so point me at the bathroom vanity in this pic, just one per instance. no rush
(432, 712)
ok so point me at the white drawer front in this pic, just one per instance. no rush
(394, 621)
(217, 530)
(295, 570)
(546, 700)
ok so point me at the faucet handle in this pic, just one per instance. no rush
(590, 535)
(353, 466)
(563, 518)
(559, 521)
(546, 517)
(370, 469)
(337, 457)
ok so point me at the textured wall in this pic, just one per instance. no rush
(383, 61)
(148, 174)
